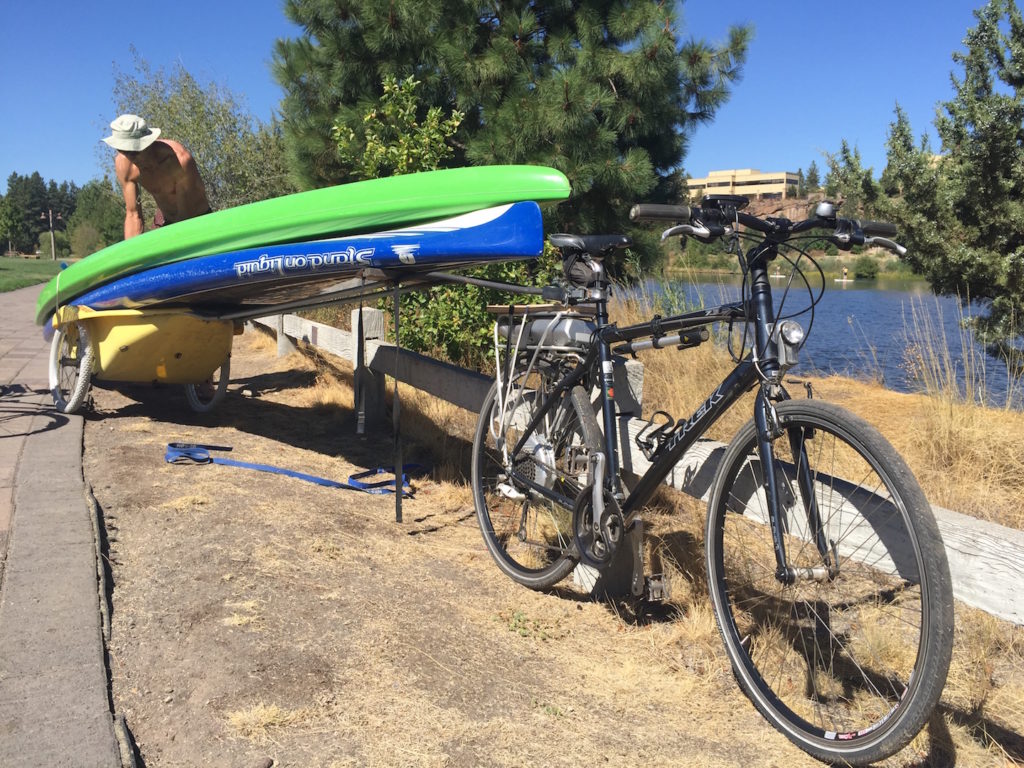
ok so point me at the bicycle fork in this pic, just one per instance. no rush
(768, 428)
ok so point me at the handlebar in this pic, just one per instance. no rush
(655, 212)
(876, 228)
(716, 216)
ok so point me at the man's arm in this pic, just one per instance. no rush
(133, 224)
(192, 190)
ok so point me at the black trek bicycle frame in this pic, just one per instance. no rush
(754, 369)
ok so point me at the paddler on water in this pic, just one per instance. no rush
(164, 168)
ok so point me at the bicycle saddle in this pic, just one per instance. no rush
(597, 246)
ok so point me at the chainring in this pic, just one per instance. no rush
(596, 546)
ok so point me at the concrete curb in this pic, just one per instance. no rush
(55, 707)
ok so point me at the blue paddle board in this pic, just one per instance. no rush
(305, 270)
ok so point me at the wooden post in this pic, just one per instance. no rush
(285, 346)
(369, 384)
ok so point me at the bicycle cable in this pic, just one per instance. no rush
(796, 274)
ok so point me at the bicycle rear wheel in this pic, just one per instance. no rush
(849, 664)
(529, 534)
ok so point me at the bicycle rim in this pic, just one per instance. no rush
(529, 535)
(850, 666)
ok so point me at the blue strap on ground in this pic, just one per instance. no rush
(195, 453)
(356, 480)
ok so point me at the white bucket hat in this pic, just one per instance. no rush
(131, 134)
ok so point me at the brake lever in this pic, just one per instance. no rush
(844, 239)
(698, 231)
(683, 229)
(885, 242)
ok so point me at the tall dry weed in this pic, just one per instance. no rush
(930, 360)
(969, 453)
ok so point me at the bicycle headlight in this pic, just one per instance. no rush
(788, 342)
(792, 333)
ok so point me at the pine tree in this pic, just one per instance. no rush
(813, 180)
(7, 223)
(27, 198)
(850, 183)
(911, 183)
(100, 210)
(605, 92)
(963, 211)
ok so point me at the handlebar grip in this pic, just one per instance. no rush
(656, 212)
(877, 228)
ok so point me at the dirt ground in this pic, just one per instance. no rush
(259, 620)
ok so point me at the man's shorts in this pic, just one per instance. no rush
(160, 220)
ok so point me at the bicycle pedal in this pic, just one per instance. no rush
(656, 588)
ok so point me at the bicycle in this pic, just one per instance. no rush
(827, 574)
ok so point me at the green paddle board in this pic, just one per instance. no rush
(363, 206)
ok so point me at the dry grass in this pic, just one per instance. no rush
(260, 721)
(191, 503)
(245, 613)
(378, 644)
(962, 377)
(966, 456)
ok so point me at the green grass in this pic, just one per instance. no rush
(18, 273)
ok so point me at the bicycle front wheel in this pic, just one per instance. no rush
(524, 496)
(70, 367)
(848, 653)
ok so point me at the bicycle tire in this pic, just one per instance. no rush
(70, 367)
(202, 401)
(848, 667)
(529, 536)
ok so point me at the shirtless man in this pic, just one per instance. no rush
(164, 168)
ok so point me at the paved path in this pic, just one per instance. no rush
(54, 701)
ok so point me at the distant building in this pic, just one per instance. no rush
(748, 182)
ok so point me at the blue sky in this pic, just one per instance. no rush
(816, 73)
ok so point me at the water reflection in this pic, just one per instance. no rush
(874, 329)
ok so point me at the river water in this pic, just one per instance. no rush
(874, 329)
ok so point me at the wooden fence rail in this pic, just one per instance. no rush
(986, 560)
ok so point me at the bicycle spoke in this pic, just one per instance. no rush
(528, 526)
(837, 656)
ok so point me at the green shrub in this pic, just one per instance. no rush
(865, 268)
(452, 322)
